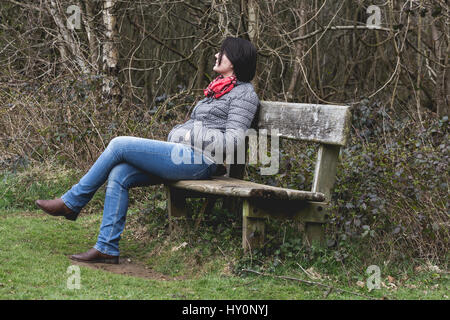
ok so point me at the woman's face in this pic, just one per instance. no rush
(225, 68)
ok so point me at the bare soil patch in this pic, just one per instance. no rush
(128, 268)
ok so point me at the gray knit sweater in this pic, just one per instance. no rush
(226, 119)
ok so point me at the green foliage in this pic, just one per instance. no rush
(21, 188)
(394, 190)
(391, 190)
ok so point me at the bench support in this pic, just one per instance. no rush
(314, 233)
(253, 227)
(256, 211)
(324, 178)
(325, 171)
(176, 205)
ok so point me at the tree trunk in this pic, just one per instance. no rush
(65, 37)
(111, 89)
(201, 68)
(441, 74)
(299, 50)
(253, 31)
(219, 6)
(92, 39)
(252, 21)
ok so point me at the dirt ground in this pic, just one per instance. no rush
(128, 268)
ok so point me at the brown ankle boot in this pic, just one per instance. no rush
(57, 208)
(95, 256)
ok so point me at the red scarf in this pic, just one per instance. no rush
(219, 86)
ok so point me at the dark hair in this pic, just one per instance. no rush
(242, 54)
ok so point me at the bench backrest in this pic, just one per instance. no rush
(328, 125)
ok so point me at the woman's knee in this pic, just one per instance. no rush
(117, 145)
(119, 174)
(117, 142)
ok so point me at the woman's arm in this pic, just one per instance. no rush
(240, 111)
(240, 116)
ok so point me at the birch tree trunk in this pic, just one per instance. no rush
(90, 32)
(111, 88)
(66, 38)
(252, 21)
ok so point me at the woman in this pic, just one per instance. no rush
(229, 107)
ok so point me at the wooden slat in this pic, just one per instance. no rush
(325, 171)
(226, 186)
(302, 211)
(327, 124)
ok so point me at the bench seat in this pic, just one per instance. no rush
(232, 187)
(328, 125)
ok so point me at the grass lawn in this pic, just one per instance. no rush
(34, 262)
(193, 263)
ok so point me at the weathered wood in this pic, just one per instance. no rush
(325, 171)
(311, 214)
(324, 177)
(327, 124)
(176, 202)
(314, 233)
(176, 207)
(226, 186)
(253, 228)
(301, 211)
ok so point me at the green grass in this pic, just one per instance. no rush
(19, 190)
(34, 250)
(34, 262)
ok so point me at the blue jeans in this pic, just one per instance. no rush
(130, 162)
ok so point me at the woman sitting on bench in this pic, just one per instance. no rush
(229, 106)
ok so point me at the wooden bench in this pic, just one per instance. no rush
(327, 125)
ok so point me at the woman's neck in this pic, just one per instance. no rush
(228, 74)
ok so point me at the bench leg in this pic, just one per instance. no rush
(176, 206)
(252, 228)
(314, 233)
